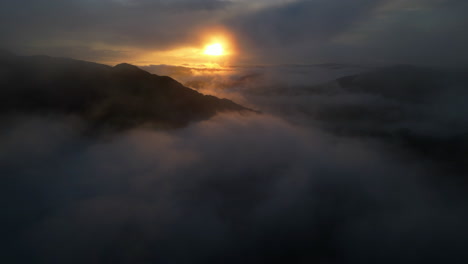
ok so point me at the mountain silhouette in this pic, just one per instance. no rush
(120, 97)
(421, 108)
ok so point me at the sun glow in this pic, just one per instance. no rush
(215, 49)
(211, 49)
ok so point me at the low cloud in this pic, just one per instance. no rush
(252, 188)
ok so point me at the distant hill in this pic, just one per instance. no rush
(421, 108)
(120, 97)
(393, 94)
(406, 82)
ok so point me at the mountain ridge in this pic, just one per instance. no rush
(123, 96)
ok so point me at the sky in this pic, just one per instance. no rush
(143, 32)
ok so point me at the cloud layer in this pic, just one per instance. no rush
(302, 31)
(420, 32)
(233, 189)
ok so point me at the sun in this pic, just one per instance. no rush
(215, 49)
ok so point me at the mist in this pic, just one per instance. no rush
(233, 189)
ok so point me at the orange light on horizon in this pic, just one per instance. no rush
(212, 47)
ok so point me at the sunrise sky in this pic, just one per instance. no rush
(251, 31)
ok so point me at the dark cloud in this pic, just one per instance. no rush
(301, 26)
(234, 189)
(46, 25)
(304, 31)
(421, 32)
